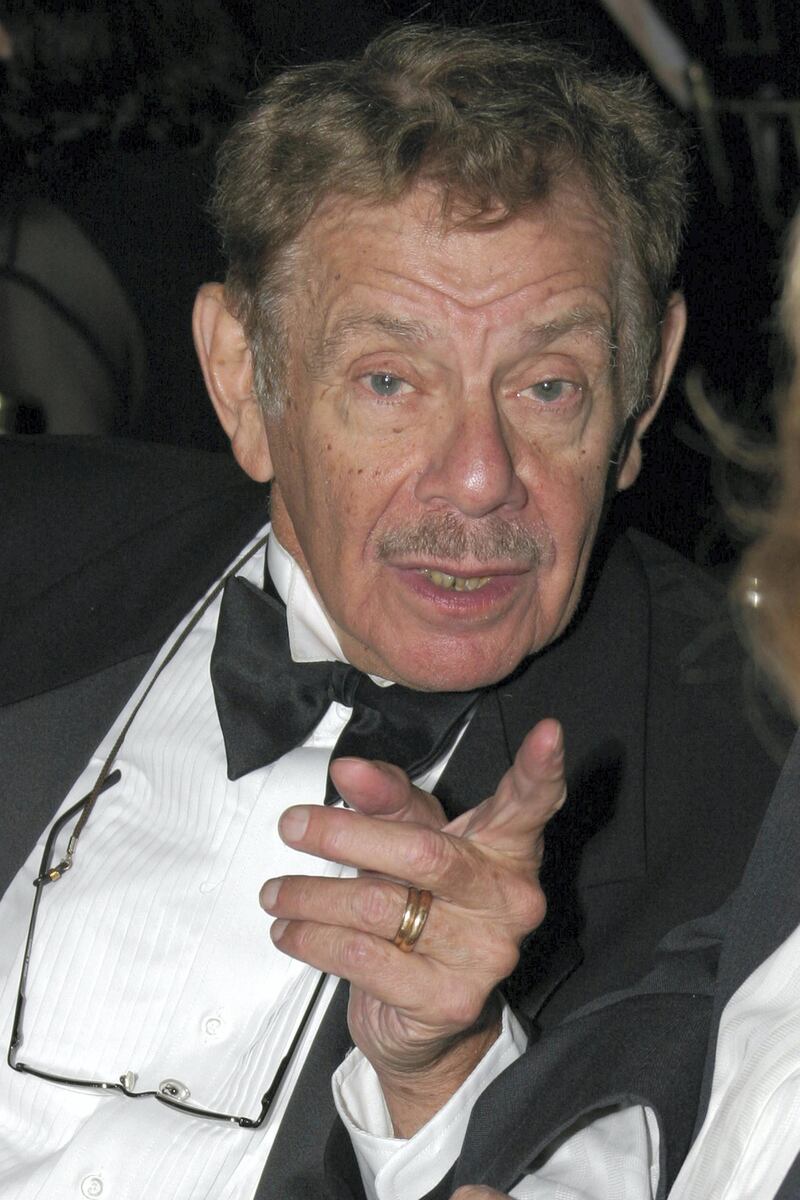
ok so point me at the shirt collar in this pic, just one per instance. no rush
(311, 636)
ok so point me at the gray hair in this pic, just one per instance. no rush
(493, 121)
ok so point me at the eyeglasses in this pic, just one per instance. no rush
(170, 1092)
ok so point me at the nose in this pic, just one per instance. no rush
(471, 467)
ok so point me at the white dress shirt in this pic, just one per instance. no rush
(751, 1134)
(152, 956)
(612, 1158)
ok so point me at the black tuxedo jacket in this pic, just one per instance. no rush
(654, 1044)
(107, 545)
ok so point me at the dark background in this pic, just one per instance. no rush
(115, 112)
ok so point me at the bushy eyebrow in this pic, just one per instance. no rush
(360, 322)
(578, 320)
(535, 337)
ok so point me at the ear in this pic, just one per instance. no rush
(672, 331)
(227, 368)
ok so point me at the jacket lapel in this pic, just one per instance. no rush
(790, 1188)
(479, 760)
(594, 680)
(294, 1169)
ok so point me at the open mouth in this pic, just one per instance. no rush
(455, 583)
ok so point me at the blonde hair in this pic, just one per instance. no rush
(768, 582)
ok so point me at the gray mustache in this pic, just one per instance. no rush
(448, 536)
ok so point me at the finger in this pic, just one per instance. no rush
(377, 906)
(532, 790)
(370, 963)
(401, 851)
(368, 903)
(438, 1000)
(486, 897)
(382, 790)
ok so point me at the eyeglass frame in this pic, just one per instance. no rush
(49, 874)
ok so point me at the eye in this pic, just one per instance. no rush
(551, 391)
(383, 383)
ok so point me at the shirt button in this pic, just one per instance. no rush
(91, 1186)
(212, 1026)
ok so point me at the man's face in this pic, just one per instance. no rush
(441, 461)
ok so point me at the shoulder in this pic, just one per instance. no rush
(698, 661)
(106, 545)
(65, 500)
(677, 585)
(695, 640)
(78, 495)
(693, 635)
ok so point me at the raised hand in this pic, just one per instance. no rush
(423, 1019)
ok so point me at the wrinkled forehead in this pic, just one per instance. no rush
(426, 246)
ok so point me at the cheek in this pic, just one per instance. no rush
(343, 501)
(592, 480)
(373, 479)
(570, 499)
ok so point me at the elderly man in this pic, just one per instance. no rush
(446, 327)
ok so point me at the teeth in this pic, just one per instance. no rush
(455, 582)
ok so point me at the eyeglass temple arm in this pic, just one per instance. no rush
(270, 1093)
(50, 875)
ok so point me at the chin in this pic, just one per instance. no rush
(441, 673)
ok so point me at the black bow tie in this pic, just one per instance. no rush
(268, 704)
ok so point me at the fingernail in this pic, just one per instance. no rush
(269, 893)
(294, 823)
(276, 930)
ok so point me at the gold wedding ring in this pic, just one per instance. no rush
(418, 905)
